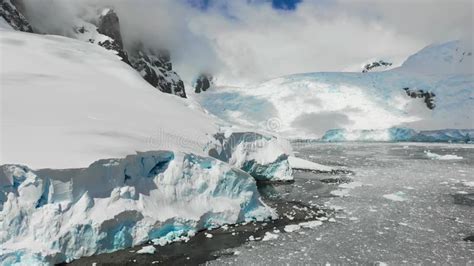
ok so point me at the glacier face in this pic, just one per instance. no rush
(264, 157)
(399, 135)
(50, 216)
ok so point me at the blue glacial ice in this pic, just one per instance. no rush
(399, 135)
(50, 216)
(263, 156)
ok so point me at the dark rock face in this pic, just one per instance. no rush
(429, 97)
(377, 64)
(153, 65)
(156, 68)
(109, 25)
(203, 83)
(9, 12)
(112, 45)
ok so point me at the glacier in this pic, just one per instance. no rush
(432, 90)
(399, 135)
(52, 215)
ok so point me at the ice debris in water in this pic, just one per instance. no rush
(397, 196)
(269, 236)
(435, 156)
(147, 250)
(292, 227)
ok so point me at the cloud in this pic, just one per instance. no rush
(244, 41)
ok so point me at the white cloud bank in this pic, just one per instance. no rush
(242, 40)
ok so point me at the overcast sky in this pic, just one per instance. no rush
(251, 40)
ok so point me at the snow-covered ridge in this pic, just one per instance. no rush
(399, 135)
(89, 105)
(50, 216)
(80, 103)
(453, 57)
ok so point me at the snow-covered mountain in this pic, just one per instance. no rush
(103, 28)
(12, 17)
(94, 159)
(433, 89)
(450, 58)
(153, 65)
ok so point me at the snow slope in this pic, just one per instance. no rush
(66, 103)
(307, 105)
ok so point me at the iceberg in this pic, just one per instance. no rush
(52, 216)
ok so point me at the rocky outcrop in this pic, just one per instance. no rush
(109, 25)
(429, 97)
(156, 68)
(203, 83)
(376, 65)
(153, 65)
(9, 11)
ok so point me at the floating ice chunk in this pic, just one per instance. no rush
(208, 235)
(468, 184)
(397, 196)
(292, 227)
(435, 156)
(269, 236)
(147, 250)
(351, 185)
(310, 224)
(340, 192)
(301, 164)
